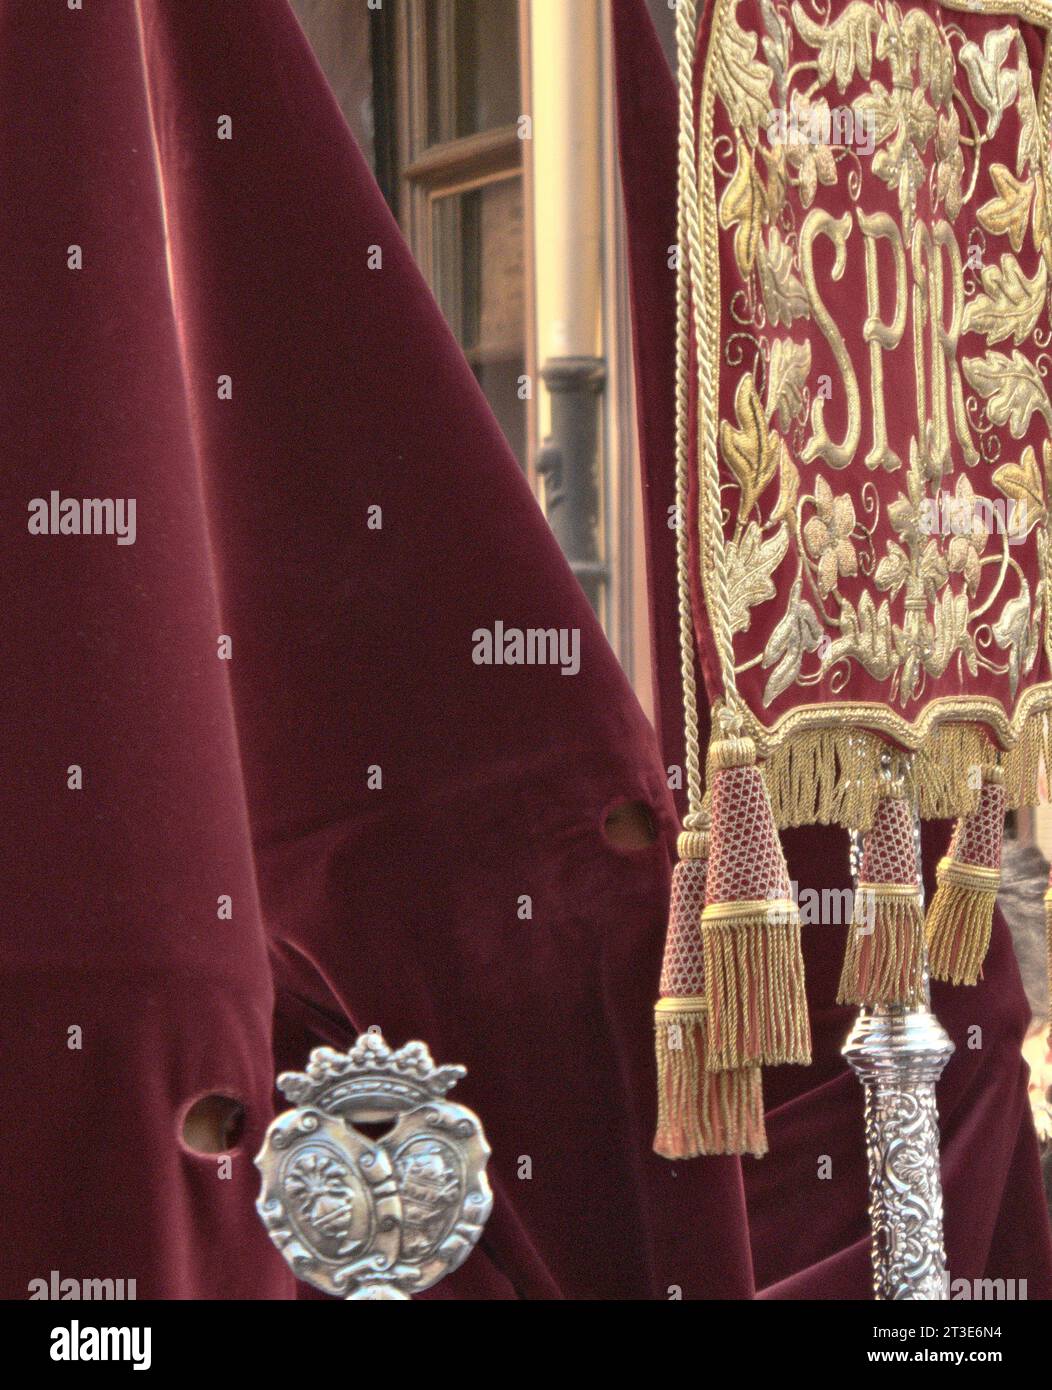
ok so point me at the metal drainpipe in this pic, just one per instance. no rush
(568, 461)
(566, 95)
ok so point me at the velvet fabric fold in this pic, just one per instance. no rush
(228, 357)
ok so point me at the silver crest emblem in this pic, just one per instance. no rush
(374, 1218)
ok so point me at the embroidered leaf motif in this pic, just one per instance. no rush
(993, 86)
(1012, 388)
(949, 170)
(806, 149)
(775, 46)
(1039, 227)
(908, 650)
(789, 489)
(1012, 634)
(928, 122)
(1011, 304)
(1029, 152)
(784, 296)
(750, 564)
(932, 569)
(866, 636)
(751, 450)
(1021, 483)
(951, 633)
(893, 570)
(786, 378)
(744, 207)
(742, 81)
(879, 107)
(917, 38)
(1008, 213)
(845, 46)
(798, 632)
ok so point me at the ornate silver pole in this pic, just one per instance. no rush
(898, 1054)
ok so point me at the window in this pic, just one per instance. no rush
(464, 208)
(432, 90)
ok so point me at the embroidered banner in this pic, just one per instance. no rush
(873, 350)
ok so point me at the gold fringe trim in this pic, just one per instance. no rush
(825, 777)
(754, 981)
(958, 931)
(833, 776)
(884, 956)
(702, 1113)
(960, 919)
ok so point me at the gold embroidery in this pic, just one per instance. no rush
(787, 375)
(819, 223)
(845, 46)
(993, 86)
(784, 297)
(1010, 304)
(882, 336)
(1012, 387)
(935, 100)
(827, 536)
(1021, 483)
(949, 337)
(750, 564)
(744, 207)
(751, 450)
(1008, 213)
(927, 294)
(799, 632)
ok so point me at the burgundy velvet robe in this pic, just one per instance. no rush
(809, 1234)
(249, 258)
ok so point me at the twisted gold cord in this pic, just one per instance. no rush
(686, 25)
(698, 288)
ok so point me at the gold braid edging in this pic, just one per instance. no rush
(831, 776)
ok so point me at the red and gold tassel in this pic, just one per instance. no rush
(754, 969)
(699, 1112)
(884, 956)
(961, 912)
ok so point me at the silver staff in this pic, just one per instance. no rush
(898, 1054)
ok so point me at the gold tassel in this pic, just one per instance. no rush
(884, 958)
(702, 1112)
(961, 913)
(754, 969)
(699, 1112)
